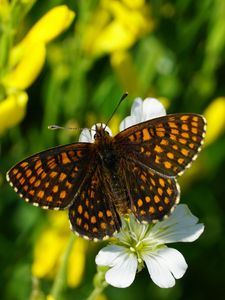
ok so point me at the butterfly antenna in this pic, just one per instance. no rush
(121, 100)
(56, 127)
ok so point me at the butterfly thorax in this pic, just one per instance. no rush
(111, 166)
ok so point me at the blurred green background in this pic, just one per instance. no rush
(171, 50)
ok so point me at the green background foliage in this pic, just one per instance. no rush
(181, 59)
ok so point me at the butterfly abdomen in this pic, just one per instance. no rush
(115, 185)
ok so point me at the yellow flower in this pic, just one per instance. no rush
(27, 69)
(215, 116)
(116, 26)
(50, 247)
(27, 58)
(46, 29)
(26, 61)
(12, 110)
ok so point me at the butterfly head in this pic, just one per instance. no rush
(100, 131)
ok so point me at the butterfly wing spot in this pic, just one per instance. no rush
(38, 164)
(103, 225)
(174, 131)
(55, 189)
(62, 195)
(32, 180)
(183, 141)
(167, 164)
(158, 149)
(162, 182)
(85, 214)
(108, 213)
(146, 134)
(37, 183)
(100, 214)
(164, 142)
(64, 158)
(185, 152)
(151, 210)
(40, 194)
(62, 177)
(166, 200)
(49, 198)
(52, 174)
(139, 202)
(185, 127)
(180, 160)
(185, 135)
(169, 191)
(147, 199)
(93, 220)
(184, 117)
(160, 208)
(160, 191)
(156, 199)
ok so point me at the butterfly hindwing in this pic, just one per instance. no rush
(152, 196)
(50, 179)
(167, 144)
(93, 214)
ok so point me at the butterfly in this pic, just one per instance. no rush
(132, 172)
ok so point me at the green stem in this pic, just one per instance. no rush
(60, 279)
(99, 283)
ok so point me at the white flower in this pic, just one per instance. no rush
(142, 111)
(138, 244)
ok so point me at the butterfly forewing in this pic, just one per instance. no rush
(152, 196)
(51, 179)
(93, 214)
(167, 144)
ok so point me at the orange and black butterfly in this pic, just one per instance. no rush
(132, 172)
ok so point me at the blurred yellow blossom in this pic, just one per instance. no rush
(27, 69)
(50, 247)
(50, 297)
(25, 63)
(134, 3)
(12, 110)
(46, 29)
(215, 116)
(116, 26)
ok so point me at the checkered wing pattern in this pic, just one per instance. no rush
(93, 214)
(51, 179)
(167, 144)
(152, 196)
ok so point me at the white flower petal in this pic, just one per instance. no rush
(123, 265)
(85, 136)
(127, 122)
(108, 255)
(122, 274)
(137, 108)
(152, 109)
(142, 111)
(181, 226)
(164, 265)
